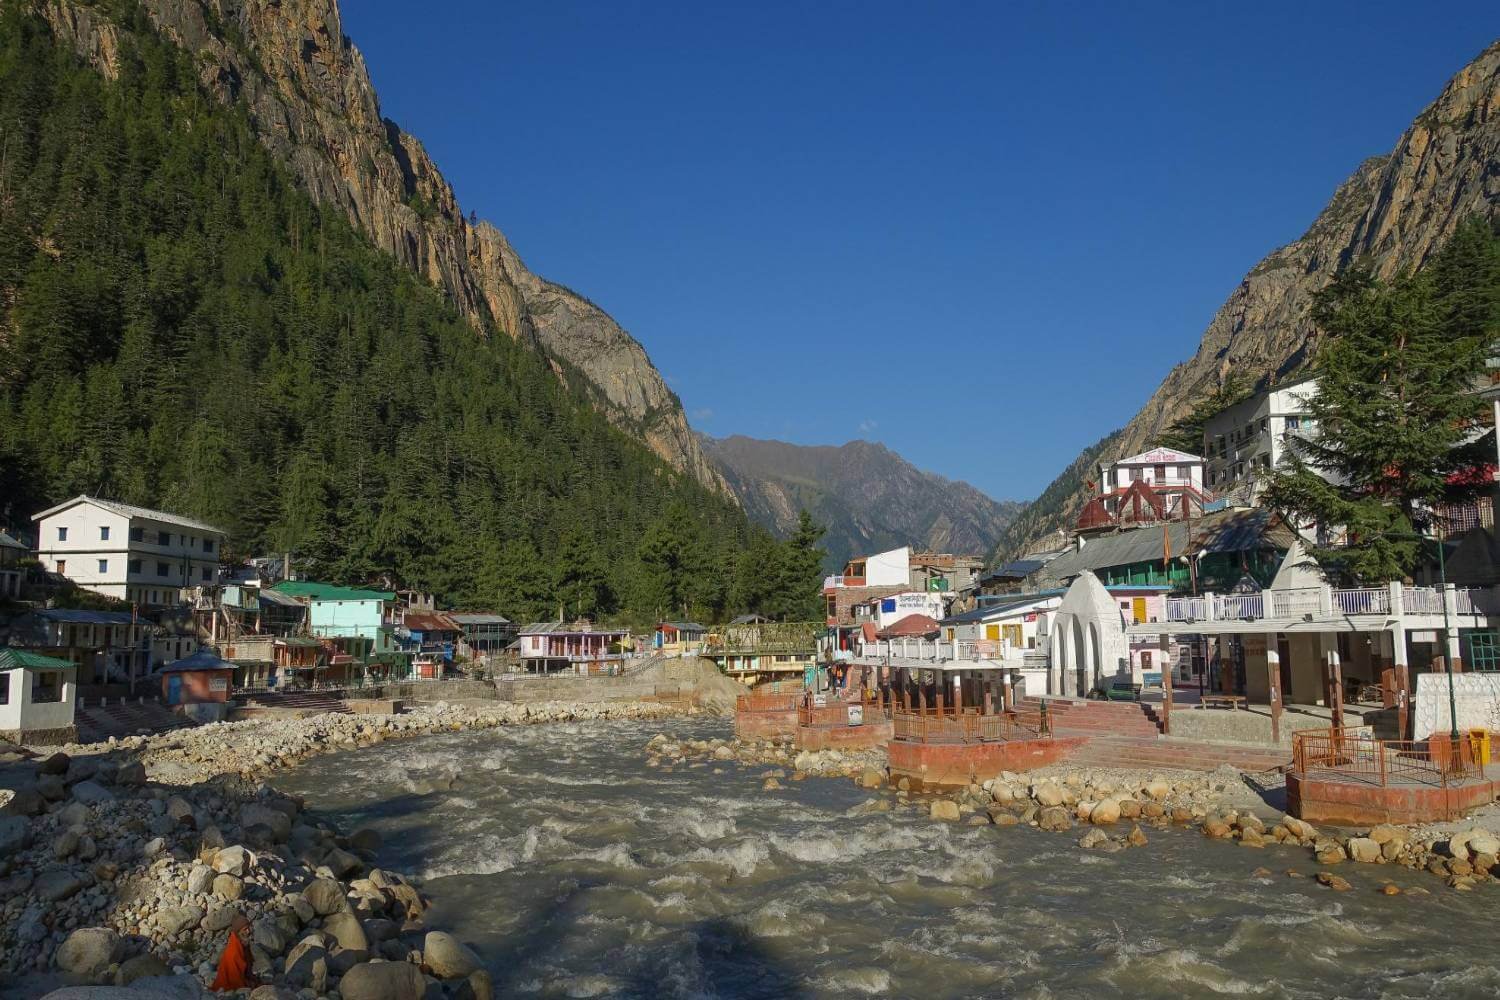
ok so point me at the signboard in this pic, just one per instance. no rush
(820, 701)
(1424, 637)
(856, 715)
(1029, 616)
(218, 683)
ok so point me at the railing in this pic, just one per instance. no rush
(969, 727)
(1353, 755)
(836, 713)
(1296, 603)
(1186, 609)
(767, 702)
(1233, 606)
(1369, 601)
(1475, 601)
(1422, 600)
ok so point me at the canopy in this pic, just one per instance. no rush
(204, 659)
(25, 659)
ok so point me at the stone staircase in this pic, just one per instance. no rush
(97, 723)
(1128, 734)
(294, 703)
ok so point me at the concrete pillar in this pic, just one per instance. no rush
(1273, 677)
(1164, 643)
(1333, 679)
(1452, 648)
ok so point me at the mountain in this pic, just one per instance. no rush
(1391, 215)
(869, 497)
(307, 94)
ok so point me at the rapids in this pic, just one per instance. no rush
(577, 871)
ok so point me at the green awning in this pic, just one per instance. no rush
(25, 659)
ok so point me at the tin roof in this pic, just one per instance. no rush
(130, 511)
(570, 628)
(429, 621)
(478, 618)
(7, 542)
(25, 659)
(683, 626)
(79, 616)
(909, 626)
(330, 592)
(204, 659)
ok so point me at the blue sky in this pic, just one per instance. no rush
(978, 233)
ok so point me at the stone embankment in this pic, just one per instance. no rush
(1111, 805)
(125, 863)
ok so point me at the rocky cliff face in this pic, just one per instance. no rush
(869, 497)
(306, 89)
(1391, 215)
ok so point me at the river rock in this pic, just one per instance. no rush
(1105, 813)
(1158, 789)
(1473, 841)
(226, 886)
(1054, 819)
(200, 879)
(945, 809)
(365, 839)
(88, 952)
(91, 793)
(325, 896)
(1093, 838)
(57, 885)
(447, 957)
(1047, 794)
(180, 812)
(55, 764)
(131, 773)
(383, 981)
(176, 919)
(1363, 849)
(1335, 882)
(342, 863)
(1298, 828)
(15, 835)
(347, 930)
(220, 918)
(476, 986)
(1136, 837)
(232, 861)
(871, 778)
(1385, 833)
(278, 822)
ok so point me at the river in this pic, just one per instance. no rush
(577, 871)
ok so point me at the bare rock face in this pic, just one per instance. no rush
(1391, 215)
(310, 98)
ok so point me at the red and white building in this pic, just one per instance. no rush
(1162, 484)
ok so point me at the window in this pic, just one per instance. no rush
(103, 532)
(207, 575)
(5, 688)
(161, 569)
(163, 538)
(1159, 472)
(46, 687)
(133, 566)
(137, 534)
(103, 565)
(1135, 475)
(62, 567)
(208, 545)
(1293, 423)
(62, 534)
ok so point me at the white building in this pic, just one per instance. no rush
(883, 569)
(1166, 471)
(143, 556)
(37, 697)
(888, 610)
(1244, 442)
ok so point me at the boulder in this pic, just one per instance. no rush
(346, 929)
(1105, 813)
(176, 919)
(1157, 790)
(15, 835)
(342, 863)
(307, 965)
(201, 879)
(278, 822)
(1363, 849)
(140, 967)
(871, 778)
(180, 812)
(227, 886)
(56, 885)
(1054, 818)
(88, 952)
(447, 957)
(325, 896)
(131, 773)
(476, 986)
(365, 839)
(1093, 838)
(945, 809)
(91, 792)
(55, 764)
(383, 981)
(220, 918)
(270, 936)
(233, 860)
(1136, 837)
(1047, 794)
(1299, 829)
(1335, 882)
(1385, 833)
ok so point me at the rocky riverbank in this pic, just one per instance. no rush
(1111, 805)
(124, 863)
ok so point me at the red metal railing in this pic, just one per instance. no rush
(1354, 755)
(767, 702)
(969, 727)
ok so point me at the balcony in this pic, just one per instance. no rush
(1331, 604)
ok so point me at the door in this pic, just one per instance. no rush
(174, 689)
(1013, 634)
(1284, 656)
(1138, 609)
(992, 633)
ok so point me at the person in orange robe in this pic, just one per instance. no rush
(234, 961)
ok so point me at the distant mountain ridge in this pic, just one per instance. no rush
(1391, 215)
(869, 497)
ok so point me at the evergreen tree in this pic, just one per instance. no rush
(1395, 413)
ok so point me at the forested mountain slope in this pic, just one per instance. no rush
(1391, 215)
(182, 326)
(307, 97)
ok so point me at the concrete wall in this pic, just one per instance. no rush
(1476, 696)
(22, 715)
(1307, 669)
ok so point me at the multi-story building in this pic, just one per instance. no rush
(579, 646)
(147, 557)
(108, 647)
(944, 572)
(1244, 442)
(865, 577)
(358, 626)
(11, 554)
(1162, 484)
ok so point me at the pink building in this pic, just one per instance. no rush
(576, 647)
